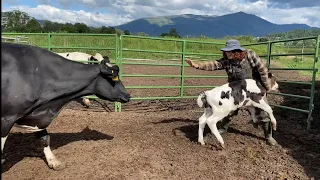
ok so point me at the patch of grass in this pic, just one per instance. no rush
(298, 62)
(203, 45)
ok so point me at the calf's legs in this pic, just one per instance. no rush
(52, 161)
(202, 123)
(211, 118)
(212, 123)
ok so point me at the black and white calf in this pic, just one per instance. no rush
(223, 100)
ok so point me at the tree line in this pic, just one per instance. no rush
(292, 35)
(16, 23)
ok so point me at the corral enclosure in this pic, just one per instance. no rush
(154, 137)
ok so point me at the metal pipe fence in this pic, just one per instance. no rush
(118, 46)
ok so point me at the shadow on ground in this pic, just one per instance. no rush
(23, 145)
(302, 145)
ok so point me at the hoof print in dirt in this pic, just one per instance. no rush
(256, 125)
(216, 147)
(177, 132)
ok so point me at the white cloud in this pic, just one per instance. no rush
(48, 12)
(121, 11)
(305, 15)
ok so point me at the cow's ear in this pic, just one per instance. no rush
(106, 58)
(105, 62)
(111, 72)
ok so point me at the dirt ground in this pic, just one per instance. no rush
(158, 139)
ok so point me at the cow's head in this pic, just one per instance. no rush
(98, 57)
(109, 86)
(272, 81)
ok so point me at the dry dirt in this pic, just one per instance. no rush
(158, 139)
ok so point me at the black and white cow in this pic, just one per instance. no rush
(223, 100)
(80, 56)
(36, 84)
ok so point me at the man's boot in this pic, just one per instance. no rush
(224, 125)
(268, 133)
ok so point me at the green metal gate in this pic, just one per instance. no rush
(59, 41)
(313, 69)
(183, 52)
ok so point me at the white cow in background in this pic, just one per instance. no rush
(77, 56)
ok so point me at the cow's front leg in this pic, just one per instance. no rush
(3, 141)
(52, 161)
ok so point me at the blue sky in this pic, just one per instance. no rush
(55, 3)
(116, 12)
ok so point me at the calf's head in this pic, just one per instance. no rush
(272, 81)
(109, 86)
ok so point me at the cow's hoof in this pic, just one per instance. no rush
(202, 143)
(56, 165)
(86, 102)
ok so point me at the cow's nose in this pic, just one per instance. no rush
(125, 97)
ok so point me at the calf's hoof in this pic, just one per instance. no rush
(223, 146)
(56, 165)
(274, 127)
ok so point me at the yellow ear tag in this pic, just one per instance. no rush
(115, 78)
(112, 71)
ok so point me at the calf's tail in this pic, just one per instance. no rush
(202, 100)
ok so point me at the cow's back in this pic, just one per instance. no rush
(20, 79)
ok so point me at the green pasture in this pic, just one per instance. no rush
(193, 45)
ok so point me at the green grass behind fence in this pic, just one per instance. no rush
(91, 41)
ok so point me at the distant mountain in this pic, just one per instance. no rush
(235, 24)
(41, 22)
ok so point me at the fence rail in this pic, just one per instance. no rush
(118, 47)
